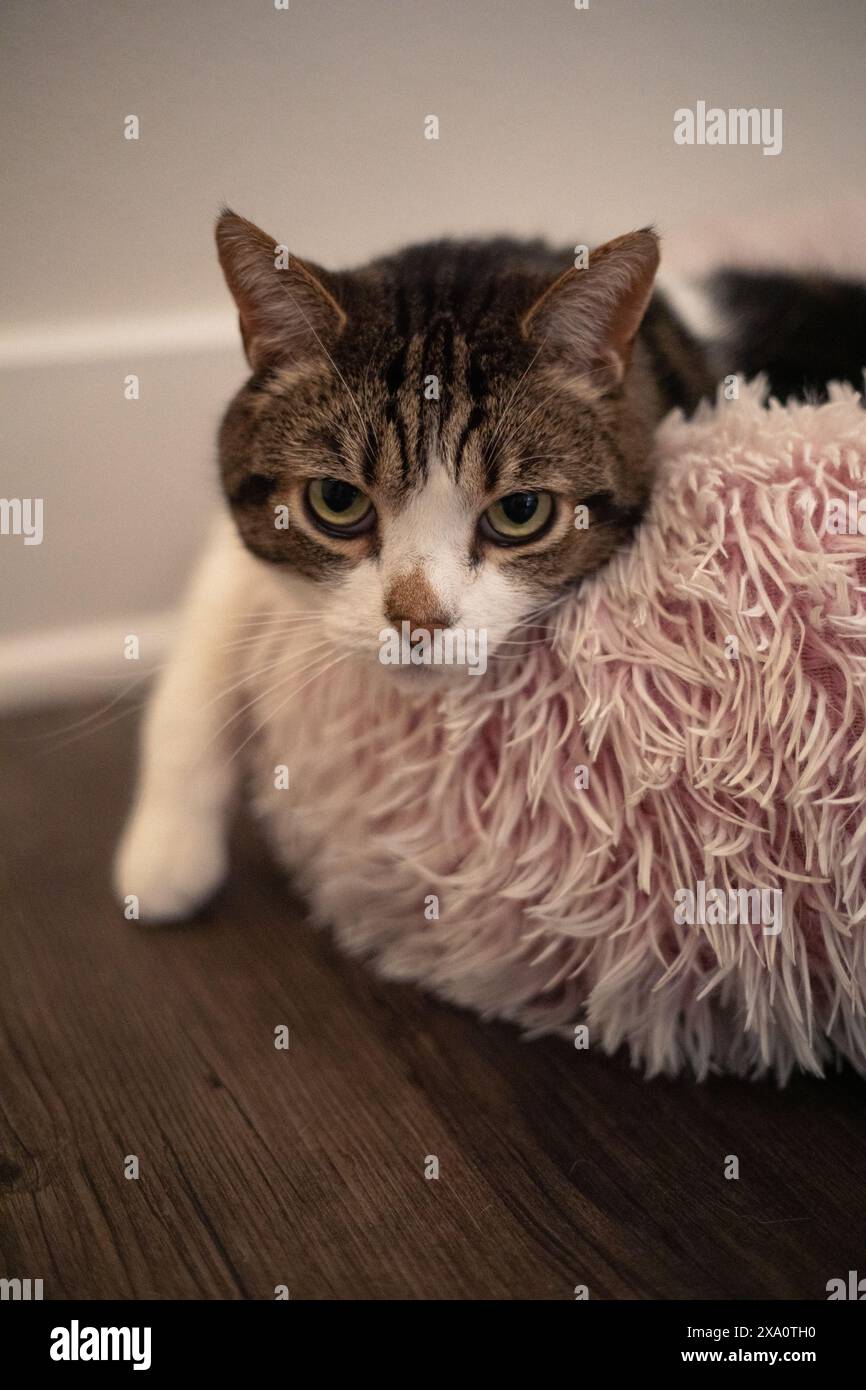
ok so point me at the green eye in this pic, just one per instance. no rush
(519, 516)
(339, 506)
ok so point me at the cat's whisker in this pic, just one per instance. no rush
(526, 419)
(365, 381)
(522, 641)
(95, 722)
(267, 634)
(93, 730)
(260, 671)
(510, 401)
(97, 713)
(280, 616)
(365, 424)
(275, 622)
(544, 608)
(540, 458)
(245, 644)
(260, 619)
(249, 704)
(342, 656)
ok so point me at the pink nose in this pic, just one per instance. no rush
(430, 622)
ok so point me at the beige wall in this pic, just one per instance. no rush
(311, 122)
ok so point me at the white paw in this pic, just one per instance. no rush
(171, 862)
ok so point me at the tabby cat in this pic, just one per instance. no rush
(445, 440)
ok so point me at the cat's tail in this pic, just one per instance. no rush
(801, 330)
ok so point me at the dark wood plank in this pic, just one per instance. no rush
(261, 1167)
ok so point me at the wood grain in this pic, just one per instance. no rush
(305, 1167)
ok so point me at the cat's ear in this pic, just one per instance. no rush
(286, 309)
(589, 317)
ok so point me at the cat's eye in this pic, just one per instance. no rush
(521, 516)
(339, 507)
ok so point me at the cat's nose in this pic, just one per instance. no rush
(430, 622)
(411, 599)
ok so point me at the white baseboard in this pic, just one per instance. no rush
(82, 663)
(128, 339)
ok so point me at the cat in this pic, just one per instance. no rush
(428, 425)
(448, 439)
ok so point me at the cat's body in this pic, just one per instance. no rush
(450, 439)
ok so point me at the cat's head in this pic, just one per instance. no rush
(448, 438)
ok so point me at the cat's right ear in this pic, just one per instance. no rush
(591, 317)
(286, 310)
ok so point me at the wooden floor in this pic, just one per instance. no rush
(306, 1167)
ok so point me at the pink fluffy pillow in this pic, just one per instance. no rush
(721, 668)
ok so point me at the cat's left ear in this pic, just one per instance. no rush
(590, 317)
(287, 311)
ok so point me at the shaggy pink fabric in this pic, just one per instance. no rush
(556, 904)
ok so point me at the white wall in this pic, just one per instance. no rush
(310, 121)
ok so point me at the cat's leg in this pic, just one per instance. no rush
(172, 856)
